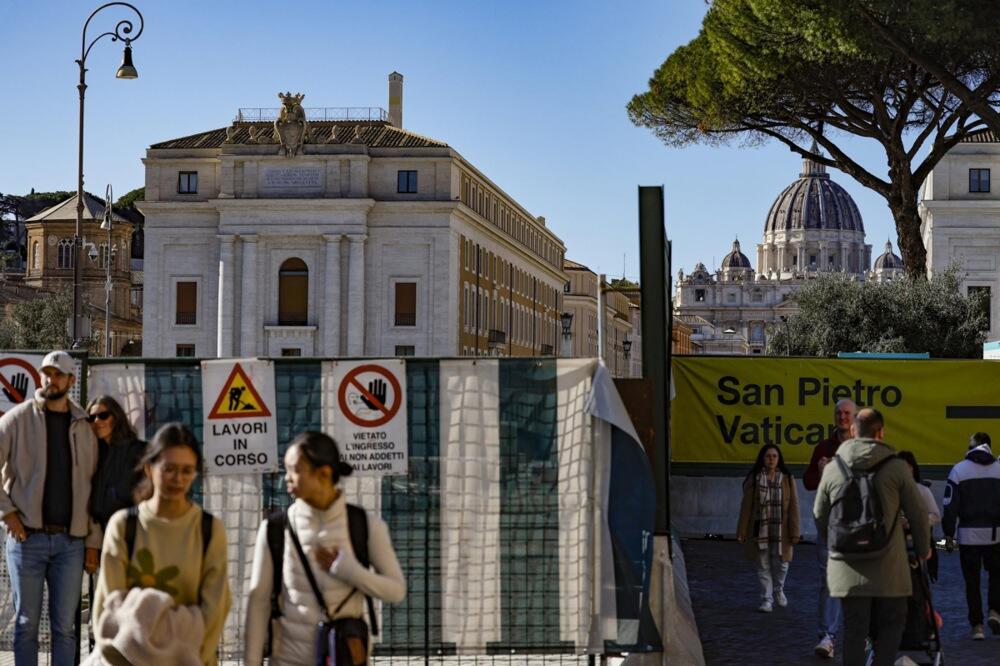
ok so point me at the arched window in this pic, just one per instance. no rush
(36, 256)
(64, 254)
(293, 293)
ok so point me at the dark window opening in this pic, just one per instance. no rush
(291, 351)
(979, 180)
(293, 293)
(406, 182)
(406, 350)
(406, 304)
(185, 351)
(699, 295)
(187, 303)
(187, 182)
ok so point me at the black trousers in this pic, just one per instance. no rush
(974, 559)
(885, 615)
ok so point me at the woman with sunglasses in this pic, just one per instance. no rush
(168, 543)
(120, 450)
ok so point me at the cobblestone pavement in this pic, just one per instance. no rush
(724, 595)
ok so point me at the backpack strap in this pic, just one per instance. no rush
(357, 525)
(276, 547)
(131, 525)
(207, 521)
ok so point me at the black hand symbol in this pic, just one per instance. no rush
(20, 384)
(377, 388)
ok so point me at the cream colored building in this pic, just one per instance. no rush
(622, 321)
(337, 232)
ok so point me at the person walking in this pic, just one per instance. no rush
(285, 579)
(873, 585)
(769, 523)
(830, 614)
(166, 542)
(119, 453)
(48, 455)
(972, 501)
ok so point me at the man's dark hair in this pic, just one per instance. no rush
(980, 438)
(868, 422)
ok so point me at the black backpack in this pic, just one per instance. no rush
(132, 523)
(857, 525)
(357, 527)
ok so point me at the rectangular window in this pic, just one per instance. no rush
(291, 351)
(979, 180)
(406, 350)
(699, 295)
(987, 304)
(187, 182)
(187, 303)
(185, 351)
(406, 182)
(406, 304)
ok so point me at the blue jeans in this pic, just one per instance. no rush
(830, 609)
(55, 560)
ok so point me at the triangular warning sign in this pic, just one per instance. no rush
(238, 398)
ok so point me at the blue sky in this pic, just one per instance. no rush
(532, 93)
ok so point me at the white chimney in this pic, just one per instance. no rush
(396, 100)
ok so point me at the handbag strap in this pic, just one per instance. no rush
(312, 578)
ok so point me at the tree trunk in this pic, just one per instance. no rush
(903, 204)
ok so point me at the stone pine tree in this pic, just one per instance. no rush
(838, 314)
(790, 70)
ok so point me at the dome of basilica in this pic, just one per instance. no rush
(813, 201)
(735, 259)
(888, 260)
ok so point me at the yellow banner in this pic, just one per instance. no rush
(726, 408)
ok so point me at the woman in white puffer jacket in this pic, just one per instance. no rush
(319, 518)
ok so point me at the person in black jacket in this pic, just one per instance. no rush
(120, 450)
(972, 499)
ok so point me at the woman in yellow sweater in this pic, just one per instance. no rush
(169, 552)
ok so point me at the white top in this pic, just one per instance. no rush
(295, 630)
(932, 508)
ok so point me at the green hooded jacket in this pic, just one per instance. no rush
(887, 575)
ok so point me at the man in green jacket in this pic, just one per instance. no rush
(876, 586)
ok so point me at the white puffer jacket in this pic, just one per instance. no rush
(295, 632)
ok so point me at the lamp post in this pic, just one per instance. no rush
(108, 261)
(123, 32)
(627, 352)
(566, 319)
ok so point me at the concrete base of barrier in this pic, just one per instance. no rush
(670, 603)
(701, 505)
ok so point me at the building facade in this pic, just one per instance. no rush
(622, 320)
(335, 232)
(50, 262)
(813, 227)
(960, 218)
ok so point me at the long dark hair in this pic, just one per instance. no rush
(759, 464)
(169, 435)
(122, 432)
(321, 450)
(911, 459)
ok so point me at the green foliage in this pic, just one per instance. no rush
(838, 314)
(128, 199)
(40, 324)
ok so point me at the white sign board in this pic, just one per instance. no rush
(369, 421)
(19, 378)
(240, 425)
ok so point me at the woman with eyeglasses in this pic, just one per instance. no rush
(165, 555)
(120, 450)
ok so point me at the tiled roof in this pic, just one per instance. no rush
(986, 136)
(93, 209)
(374, 134)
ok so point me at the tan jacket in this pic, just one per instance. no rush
(750, 510)
(23, 461)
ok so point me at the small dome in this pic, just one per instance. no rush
(887, 260)
(813, 201)
(735, 259)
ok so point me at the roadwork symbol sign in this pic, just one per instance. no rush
(369, 419)
(238, 398)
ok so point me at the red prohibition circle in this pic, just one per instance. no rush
(30, 369)
(387, 412)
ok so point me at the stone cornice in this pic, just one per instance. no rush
(284, 205)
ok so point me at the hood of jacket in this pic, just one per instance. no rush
(981, 455)
(862, 453)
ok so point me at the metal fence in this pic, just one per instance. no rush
(411, 632)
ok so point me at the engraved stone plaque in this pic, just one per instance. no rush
(291, 180)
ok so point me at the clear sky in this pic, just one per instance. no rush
(532, 93)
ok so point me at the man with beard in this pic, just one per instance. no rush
(48, 454)
(829, 608)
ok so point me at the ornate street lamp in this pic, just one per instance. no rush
(566, 319)
(122, 32)
(627, 346)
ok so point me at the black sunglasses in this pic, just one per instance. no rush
(99, 415)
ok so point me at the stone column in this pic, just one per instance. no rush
(356, 298)
(225, 301)
(800, 251)
(822, 263)
(331, 298)
(249, 311)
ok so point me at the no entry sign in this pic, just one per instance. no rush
(18, 379)
(370, 419)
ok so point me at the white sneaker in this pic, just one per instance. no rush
(994, 622)
(978, 634)
(781, 600)
(824, 648)
(765, 607)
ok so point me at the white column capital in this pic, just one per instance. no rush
(357, 238)
(333, 238)
(248, 238)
